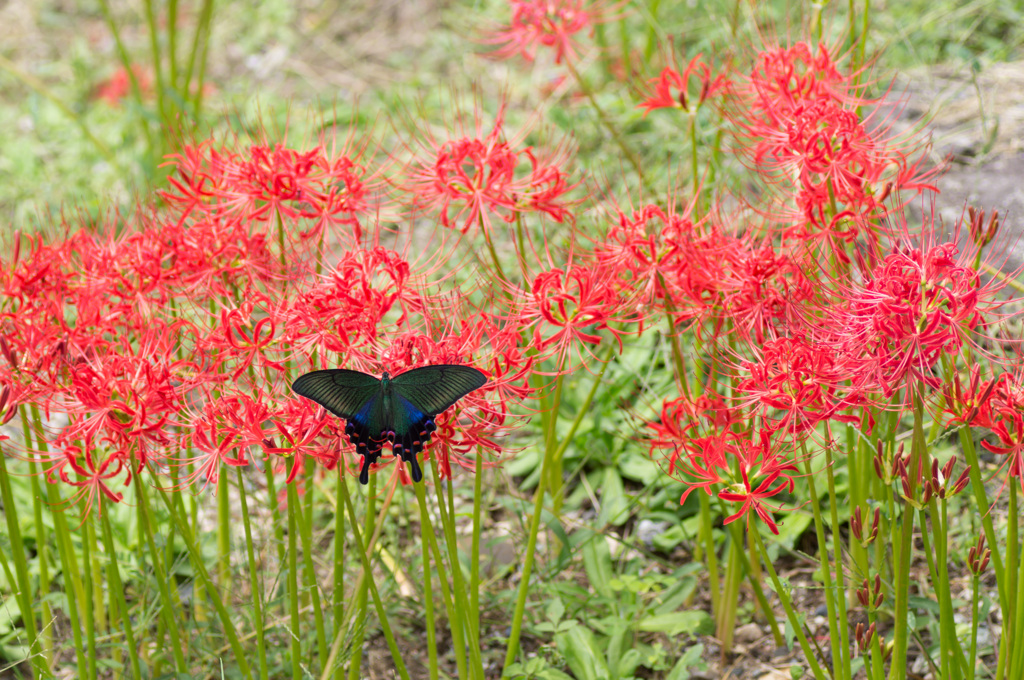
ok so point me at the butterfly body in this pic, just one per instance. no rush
(399, 410)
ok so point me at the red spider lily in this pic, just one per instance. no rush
(914, 306)
(320, 187)
(797, 119)
(570, 306)
(671, 80)
(116, 87)
(970, 405)
(785, 78)
(345, 310)
(680, 420)
(762, 290)
(998, 405)
(802, 380)
(771, 471)
(665, 257)
(552, 24)
(470, 179)
(126, 398)
(91, 477)
(241, 340)
(699, 462)
(215, 440)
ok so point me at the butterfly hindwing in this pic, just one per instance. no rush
(434, 389)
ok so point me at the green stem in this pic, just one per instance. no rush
(167, 607)
(652, 29)
(843, 672)
(427, 529)
(99, 608)
(1012, 553)
(474, 563)
(355, 663)
(616, 134)
(24, 583)
(754, 579)
(898, 669)
(694, 163)
(309, 575)
(158, 70)
(459, 622)
(295, 634)
(223, 534)
(825, 566)
(43, 558)
(90, 616)
(200, 44)
(68, 561)
(538, 504)
(367, 569)
(338, 595)
(1016, 642)
(726, 624)
(524, 581)
(211, 592)
(133, 81)
(710, 554)
(973, 656)
(254, 582)
(114, 577)
(795, 622)
(981, 498)
(275, 511)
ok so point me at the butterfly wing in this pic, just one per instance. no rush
(356, 397)
(339, 390)
(421, 394)
(434, 389)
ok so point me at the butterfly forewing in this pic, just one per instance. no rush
(433, 389)
(339, 390)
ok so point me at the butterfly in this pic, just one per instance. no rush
(399, 410)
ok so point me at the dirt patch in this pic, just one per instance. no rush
(976, 122)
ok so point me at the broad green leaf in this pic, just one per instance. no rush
(582, 653)
(678, 623)
(692, 658)
(614, 503)
(597, 562)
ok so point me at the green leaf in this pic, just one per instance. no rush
(639, 468)
(629, 662)
(692, 657)
(670, 538)
(582, 653)
(614, 503)
(792, 527)
(678, 623)
(555, 610)
(597, 562)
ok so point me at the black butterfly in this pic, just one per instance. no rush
(400, 410)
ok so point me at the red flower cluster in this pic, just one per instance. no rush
(672, 86)
(760, 471)
(468, 180)
(829, 303)
(550, 24)
(170, 338)
(796, 119)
